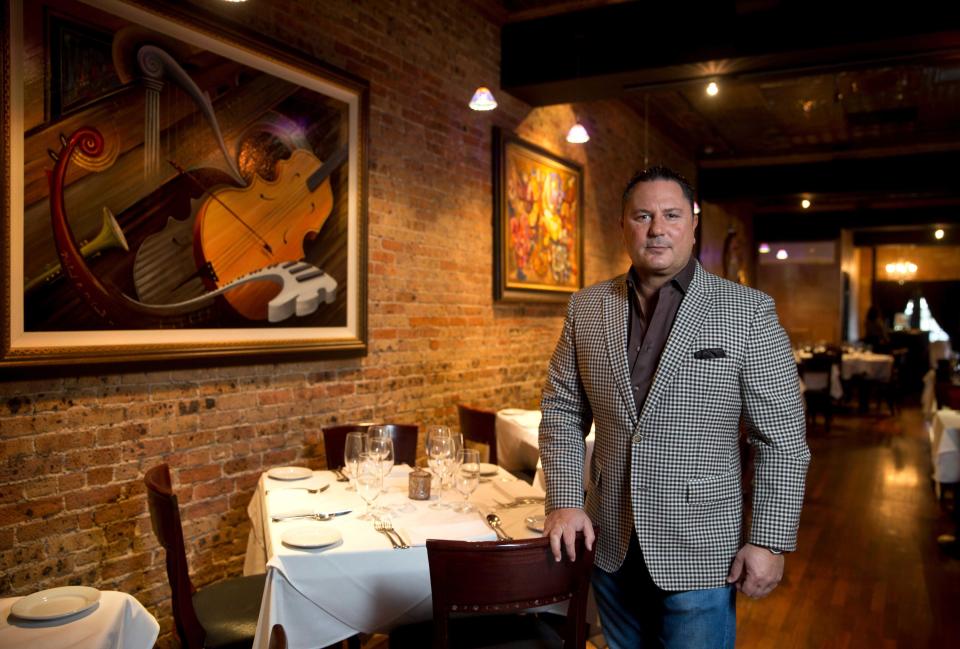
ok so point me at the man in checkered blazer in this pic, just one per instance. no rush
(665, 360)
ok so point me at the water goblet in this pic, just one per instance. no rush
(353, 447)
(369, 482)
(467, 477)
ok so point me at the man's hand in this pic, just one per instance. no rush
(756, 571)
(562, 525)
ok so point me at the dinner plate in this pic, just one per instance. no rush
(56, 603)
(289, 472)
(489, 469)
(311, 536)
(535, 523)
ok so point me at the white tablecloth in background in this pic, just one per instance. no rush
(874, 367)
(118, 621)
(519, 431)
(945, 445)
(361, 585)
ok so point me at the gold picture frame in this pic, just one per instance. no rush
(210, 201)
(538, 222)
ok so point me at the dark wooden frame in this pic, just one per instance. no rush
(20, 349)
(504, 288)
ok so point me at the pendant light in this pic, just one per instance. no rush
(483, 99)
(577, 134)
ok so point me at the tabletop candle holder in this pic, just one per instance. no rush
(419, 485)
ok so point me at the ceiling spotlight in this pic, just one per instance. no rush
(782, 254)
(764, 248)
(938, 233)
(483, 99)
(713, 88)
(805, 203)
(577, 134)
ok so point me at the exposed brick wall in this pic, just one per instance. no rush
(74, 449)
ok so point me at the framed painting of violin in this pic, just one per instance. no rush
(176, 187)
(538, 222)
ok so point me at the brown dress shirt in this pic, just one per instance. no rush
(649, 331)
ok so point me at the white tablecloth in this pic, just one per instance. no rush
(117, 621)
(874, 367)
(361, 584)
(519, 432)
(945, 445)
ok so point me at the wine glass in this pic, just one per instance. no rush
(382, 448)
(353, 447)
(467, 477)
(440, 454)
(455, 459)
(369, 481)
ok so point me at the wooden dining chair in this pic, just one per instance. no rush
(479, 425)
(222, 615)
(479, 589)
(278, 637)
(817, 373)
(404, 441)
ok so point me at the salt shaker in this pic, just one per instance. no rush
(419, 488)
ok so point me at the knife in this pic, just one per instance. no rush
(312, 515)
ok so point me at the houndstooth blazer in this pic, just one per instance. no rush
(674, 467)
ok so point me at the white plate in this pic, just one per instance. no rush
(56, 603)
(312, 536)
(289, 472)
(535, 523)
(489, 469)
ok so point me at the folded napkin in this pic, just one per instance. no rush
(444, 524)
(508, 490)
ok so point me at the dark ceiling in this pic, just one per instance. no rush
(852, 105)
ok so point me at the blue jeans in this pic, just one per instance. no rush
(636, 614)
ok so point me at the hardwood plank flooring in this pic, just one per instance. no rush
(868, 571)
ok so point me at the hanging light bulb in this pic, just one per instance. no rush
(483, 99)
(577, 134)
(713, 88)
(782, 254)
(938, 233)
(764, 248)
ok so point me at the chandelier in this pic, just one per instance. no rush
(901, 271)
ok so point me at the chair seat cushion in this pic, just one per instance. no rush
(487, 632)
(228, 611)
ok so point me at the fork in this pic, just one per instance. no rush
(316, 517)
(388, 528)
(520, 502)
(381, 527)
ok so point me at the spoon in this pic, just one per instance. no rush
(308, 489)
(494, 521)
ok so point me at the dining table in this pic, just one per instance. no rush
(105, 619)
(354, 580)
(518, 445)
(945, 446)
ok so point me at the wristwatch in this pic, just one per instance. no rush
(775, 551)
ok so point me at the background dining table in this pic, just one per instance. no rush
(945, 446)
(360, 583)
(518, 445)
(116, 621)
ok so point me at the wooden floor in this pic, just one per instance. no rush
(868, 571)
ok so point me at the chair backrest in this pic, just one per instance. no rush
(165, 517)
(816, 371)
(507, 577)
(479, 425)
(404, 441)
(278, 637)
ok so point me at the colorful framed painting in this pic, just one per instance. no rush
(176, 187)
(538, 222)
